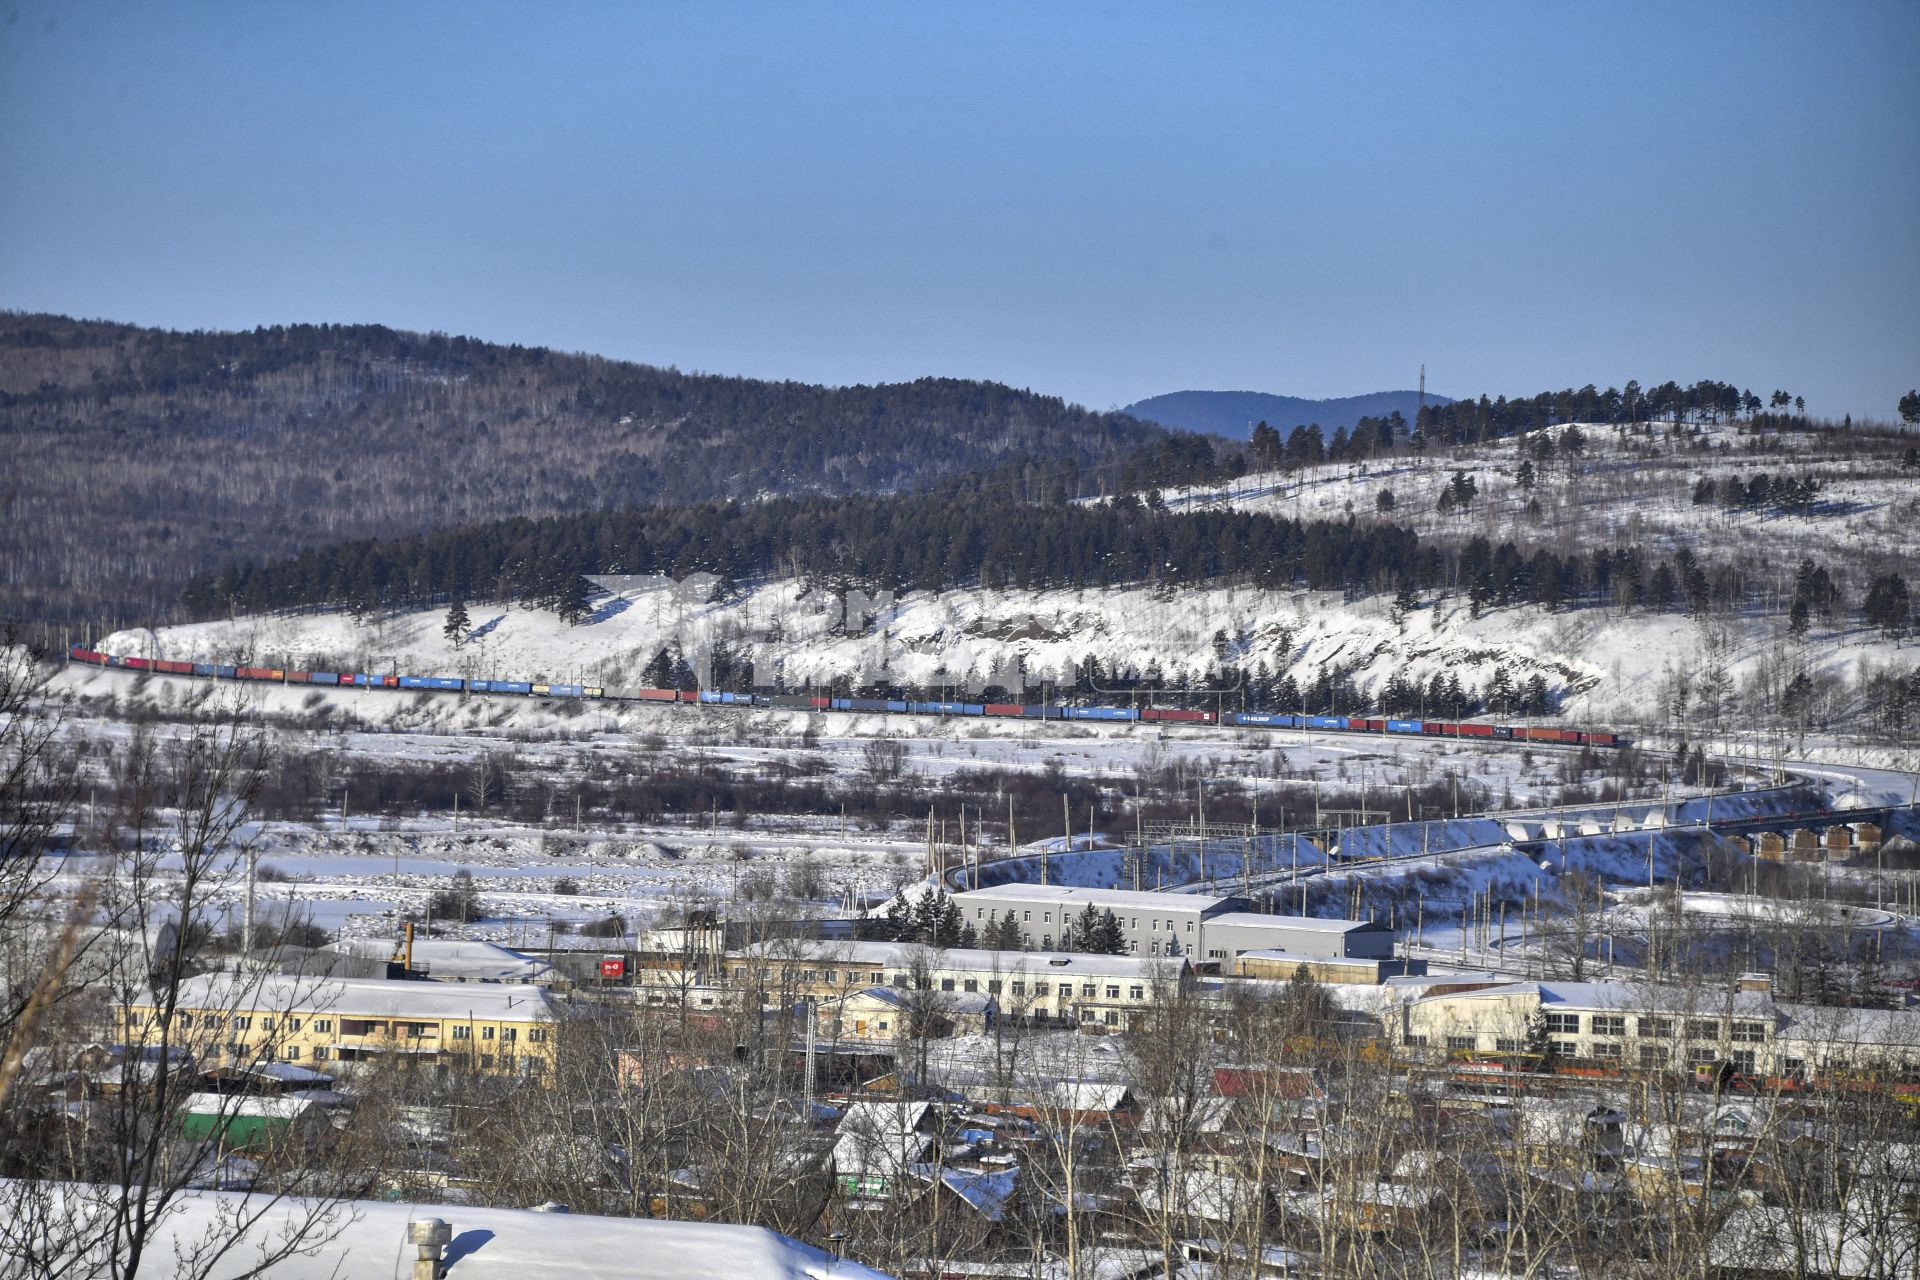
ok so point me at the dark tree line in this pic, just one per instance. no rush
(141, 456)
(932, 542)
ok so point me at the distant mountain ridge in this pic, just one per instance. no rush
(1233, 413)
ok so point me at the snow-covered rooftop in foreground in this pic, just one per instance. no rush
(490, 1244)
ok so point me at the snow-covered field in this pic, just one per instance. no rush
(356, 873)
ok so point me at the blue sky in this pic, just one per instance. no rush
(1100, 201)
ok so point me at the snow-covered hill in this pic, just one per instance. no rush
(1615, 665)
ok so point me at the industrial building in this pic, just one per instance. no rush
(1204, 928)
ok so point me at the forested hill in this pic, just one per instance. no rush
(1234, 413)
(138, 457)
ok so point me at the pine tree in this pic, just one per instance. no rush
(457, 623)
(573, 604)
(1084, 934)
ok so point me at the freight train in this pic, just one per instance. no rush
(893, 706)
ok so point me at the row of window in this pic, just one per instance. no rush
(1154, 923)
(1740, 1030)
(215, 1022)
(993, 986)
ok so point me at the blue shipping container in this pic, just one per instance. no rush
(1101, 713)
(565, 690)
(1403, 726)
(225, 672)
(325, 677)
(1326, 722)
(203, 668)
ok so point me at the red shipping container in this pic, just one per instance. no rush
(1004, 709)
(1476, 731)
(657, 695)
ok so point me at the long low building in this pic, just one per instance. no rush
(1061, 988)
(1646, 1027)
(1206, 928)
(292, 1018)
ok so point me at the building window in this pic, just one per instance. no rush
(1612, 1052)
(1413, 1041)
(1086, 1015)
(1113, 992)
(462, 1032)
(1609, 1024)
(293, 1024)
(993, 986)
(900, 980)
(1502, 1044)
(1155, 948)
(1566, 1024)
(1133, 945)
(319, 1053)
(537, 1034)
(1087, 990)
(1564, 1048)
(293, 1053)
(1463, 1042)
(486, 1033)
(486, 1061)
(1749, 1032)
(509, 1033)
(1046, 942)
(1744, 1061)
(1019, 988)
(979, 913)
(1113, 1019)
(833, 977)
(1189, 926)
(1700, 1057)
(1652, 1057)
(242, 1022)
(1136, 922)
(946, 984)
(972, 984)
(1026, 917)
(1702, 1029)
(1136, 992)
(186, 1020)
(266, 1024)
(1039, 989)
(323, 1025)
(1046, 917)
(1654, 1028)
(506, 1062)
(876, 978)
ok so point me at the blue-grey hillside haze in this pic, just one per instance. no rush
(1234, 413)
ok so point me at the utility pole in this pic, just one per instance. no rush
(1422, 410)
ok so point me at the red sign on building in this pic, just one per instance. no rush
(613, 967)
